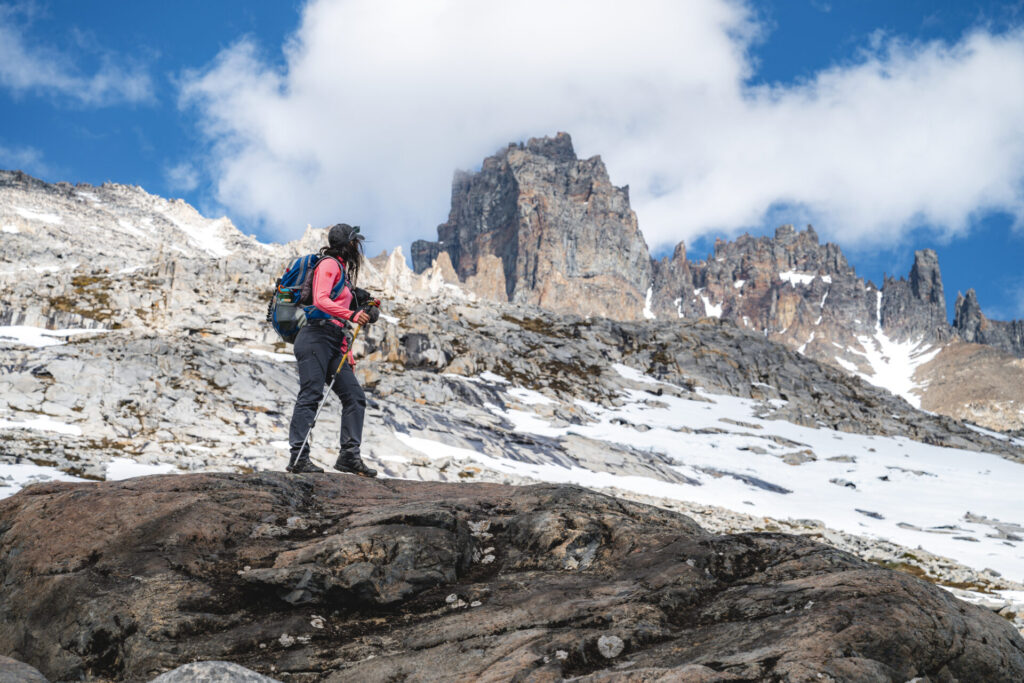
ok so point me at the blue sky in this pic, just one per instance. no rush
(208, 100)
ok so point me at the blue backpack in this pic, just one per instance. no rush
(292, 302)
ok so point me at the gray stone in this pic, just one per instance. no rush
(13, 671)
(212, 672)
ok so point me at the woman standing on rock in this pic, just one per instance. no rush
(319, 348)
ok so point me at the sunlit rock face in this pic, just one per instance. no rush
(567, 238)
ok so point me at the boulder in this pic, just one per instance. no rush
(13, 671)
(212, 672)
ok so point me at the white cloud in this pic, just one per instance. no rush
(25, 67)
(378, 102)
(182, 177)
(28, 159)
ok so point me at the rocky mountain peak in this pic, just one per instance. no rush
(967, 316)
(566, 237)
(558, 148)
(915, 308)
(926, 279)
(972, 326)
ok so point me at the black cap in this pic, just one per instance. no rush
(341, 234)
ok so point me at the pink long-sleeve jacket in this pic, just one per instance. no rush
(325, 276)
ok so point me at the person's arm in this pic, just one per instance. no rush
(325, 276)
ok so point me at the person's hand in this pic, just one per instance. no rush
(361, 318)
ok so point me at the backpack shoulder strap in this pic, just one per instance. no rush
(336, 290)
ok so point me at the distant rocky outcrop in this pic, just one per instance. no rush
(566, 237)
(331, 578)
(915, 308)
(973, 326)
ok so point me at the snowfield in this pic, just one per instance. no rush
(886, 488)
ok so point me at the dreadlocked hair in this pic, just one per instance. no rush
(351, 254)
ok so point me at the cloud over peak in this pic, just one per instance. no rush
(377, 103)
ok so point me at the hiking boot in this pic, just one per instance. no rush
(306, 467)
(353, 464)
(303, 465)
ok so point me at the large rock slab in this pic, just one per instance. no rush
(328, 577)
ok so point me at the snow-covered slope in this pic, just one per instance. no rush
(885, 487)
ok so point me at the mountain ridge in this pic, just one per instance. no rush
(789, 286)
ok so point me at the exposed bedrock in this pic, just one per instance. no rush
(973, 326)
(329, 577)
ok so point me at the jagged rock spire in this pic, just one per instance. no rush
(916, 307)
(972, 326)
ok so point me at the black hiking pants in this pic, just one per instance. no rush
(318, 352)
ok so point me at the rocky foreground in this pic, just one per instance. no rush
(336, 578)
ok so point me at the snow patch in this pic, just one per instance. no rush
(43, 424)
(809, 340)
(11, 229)
(712, 310)
(795, 278)
(119, 469)
(678, 303)
(205, 236)
(893, 363)
(847, 365)
(633, 374)
(40, 337)
(51, 218)
(739, 284)
(648, 313)
(14, 477)
(529, 396)
(129, 228)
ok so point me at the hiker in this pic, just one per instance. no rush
(319, 348)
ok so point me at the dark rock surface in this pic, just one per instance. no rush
(338, 578)
(973, 326)
(566, 236)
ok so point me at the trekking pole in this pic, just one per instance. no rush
(330, 386)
